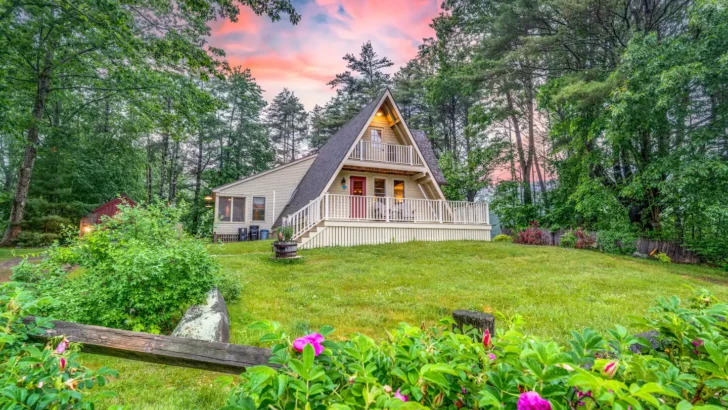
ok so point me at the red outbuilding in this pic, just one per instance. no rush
(110, 208)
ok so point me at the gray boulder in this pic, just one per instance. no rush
(640, 255)
(209, 321)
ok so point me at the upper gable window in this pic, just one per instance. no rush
(376, 136)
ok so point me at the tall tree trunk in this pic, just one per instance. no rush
(198, 183)
(17, 211)
(525, 166)
(173, 173)
(149, 169)
(165, 152)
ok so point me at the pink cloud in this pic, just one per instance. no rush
(305, 57)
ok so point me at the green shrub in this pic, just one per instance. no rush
(661, 257)
(617, 242)
(141, 272)
(442, 368)
(503, 238)
(30, 239)
(34, 375)
(568, 240)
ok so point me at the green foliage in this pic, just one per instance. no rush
(661, 257)
(568, 240)
(507, 205)
(30, 239)
(617, 241)
(439, 367)
(503, 238)
(285, 233)
(141, 271)
(34, 376)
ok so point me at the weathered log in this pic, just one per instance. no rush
(478, 320)
(170, 350)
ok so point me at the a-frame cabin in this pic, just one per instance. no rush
(374, 181)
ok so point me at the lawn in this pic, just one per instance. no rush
(370, 289)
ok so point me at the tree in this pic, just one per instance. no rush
(288, 123)
(100, 49)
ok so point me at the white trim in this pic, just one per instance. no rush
(410, 225)
(278, 168)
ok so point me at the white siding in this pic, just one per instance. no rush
(411, 190)
(279, 184)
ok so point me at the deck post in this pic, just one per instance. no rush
(440, 201)
(487, 213)
(386, 211)
(361, 150)
(411, 156)
(326, 206)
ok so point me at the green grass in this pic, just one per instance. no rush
(370, 289)
(7, 254)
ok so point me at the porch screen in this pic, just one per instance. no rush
(259, 208)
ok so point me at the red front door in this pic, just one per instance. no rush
(358, 192)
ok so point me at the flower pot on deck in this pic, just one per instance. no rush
(285, 249)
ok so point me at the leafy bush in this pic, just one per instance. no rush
(618, 242)
(34, 376)
(713, 250)
(141, 271)
(442, 368)
(285, 233)
(568, 240)
(661, 257)
(584, 239)
(503, 238)
(531, 235)
(30, 239)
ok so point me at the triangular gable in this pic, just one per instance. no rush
(333, 154)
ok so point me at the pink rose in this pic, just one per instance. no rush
(314, 339)
(532, 401)
(398, 395)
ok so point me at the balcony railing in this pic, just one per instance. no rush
(390, 153)
(386, 209)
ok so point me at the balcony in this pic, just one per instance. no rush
(386, 153)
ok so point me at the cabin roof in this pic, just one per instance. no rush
(335, 150)
(260, 174)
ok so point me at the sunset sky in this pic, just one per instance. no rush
(307, 56)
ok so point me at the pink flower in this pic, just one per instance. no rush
(62, 346)
(314, 339)
(698, 342)
(40, 385)
(62, 363)
(487, 341)
(398, 395)
(580, 395)
(532, 401)
(610, 369)
(492, 356)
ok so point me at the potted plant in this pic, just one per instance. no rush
(285, 247)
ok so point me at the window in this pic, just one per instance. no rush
(376, 136)
(398, 191)
(380, 187)
(230, 209)
(259, 208)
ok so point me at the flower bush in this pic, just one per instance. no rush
(661, 257)
(584, 240)
(531, 235)
(138, 270)
(503, 238)
(449, 369)
(37, 376)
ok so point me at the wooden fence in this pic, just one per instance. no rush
(676, 252)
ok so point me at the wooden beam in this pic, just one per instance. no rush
(169, 350)
(420, 175)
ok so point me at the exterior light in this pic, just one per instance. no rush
(208, 198)
(88, 229)
(380, 113)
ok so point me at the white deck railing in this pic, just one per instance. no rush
(391, 153)
(386, 209)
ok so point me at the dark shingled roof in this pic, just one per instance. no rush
(334, 151)
(426, 149)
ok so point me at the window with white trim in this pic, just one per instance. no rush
(230, 209)
(259, 208)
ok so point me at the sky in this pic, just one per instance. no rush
(306, 56)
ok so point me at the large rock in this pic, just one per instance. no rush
(210, 321)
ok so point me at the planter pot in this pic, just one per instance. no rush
(285, 249)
